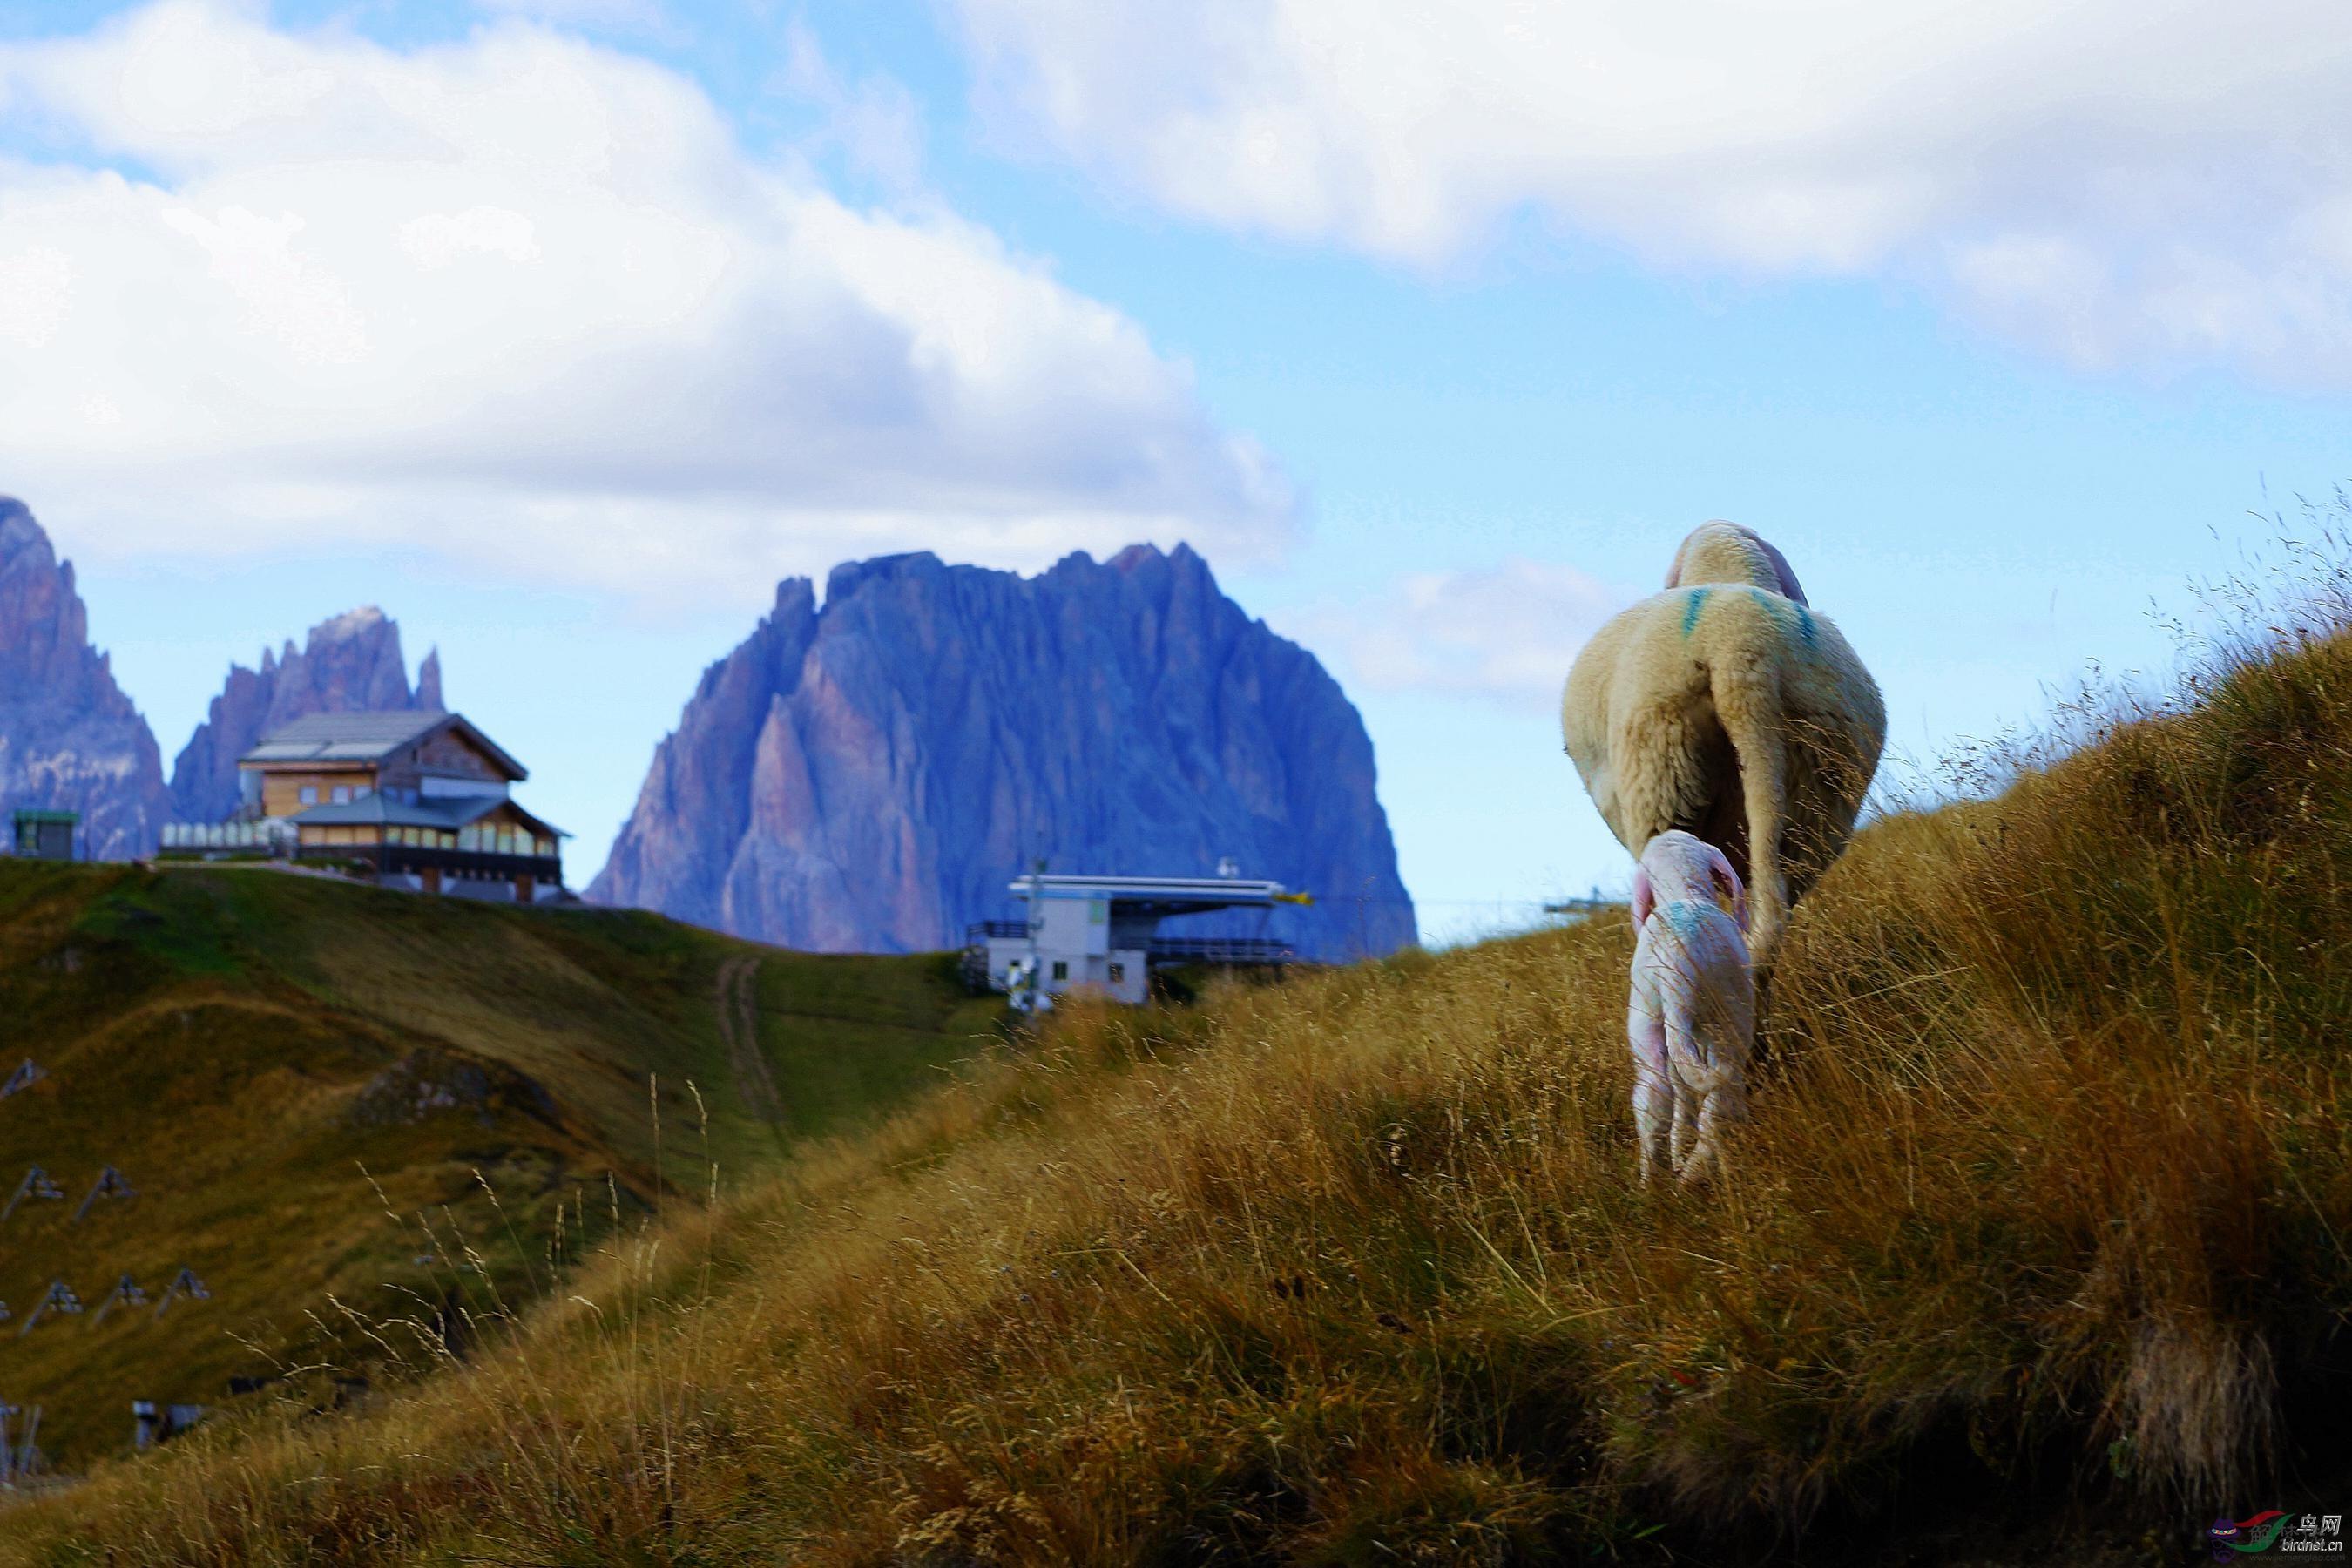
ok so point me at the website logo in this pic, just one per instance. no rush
(2313, 1534)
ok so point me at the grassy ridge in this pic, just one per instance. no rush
(2046, 1195)
(244, 1044)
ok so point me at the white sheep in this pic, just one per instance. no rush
(1728, 706)
(1691, 1018)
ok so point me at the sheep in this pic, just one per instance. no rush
(1727, 707)
(1691, 1016)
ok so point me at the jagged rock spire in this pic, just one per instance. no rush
(869, 776)
(70, 739)
(348, 663)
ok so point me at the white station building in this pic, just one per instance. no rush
(1103, 932)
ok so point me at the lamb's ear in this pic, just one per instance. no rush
(1729, 881)
(1646, 897)
(1780, 566)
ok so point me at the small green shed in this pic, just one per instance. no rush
(45, 835)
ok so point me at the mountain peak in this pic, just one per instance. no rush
(351, 624)
(869, 777)
(348, 663)
(850, 576)
(70, 739)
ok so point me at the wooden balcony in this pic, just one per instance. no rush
(414, 860)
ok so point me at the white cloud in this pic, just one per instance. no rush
(438, 238)
(872, 121)
(2117, 182)
(1506, 634)
(617, 15)
(526, 300)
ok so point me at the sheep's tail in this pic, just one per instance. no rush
(1747, 694)
(1695, 1067)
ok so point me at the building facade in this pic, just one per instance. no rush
(420, 801)
(43, 835)
(1102, 934)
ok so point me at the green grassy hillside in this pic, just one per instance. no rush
(275, 1061)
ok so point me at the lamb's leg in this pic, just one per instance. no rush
(1687, 1105)
(1692, 1067)
(1703, 1154)
(1653, 1086)
(1725, 1101)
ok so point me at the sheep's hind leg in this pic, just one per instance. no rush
(1726, 1102)
(1654, 1083)
(1653, 1107)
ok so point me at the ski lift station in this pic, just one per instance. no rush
(1103, 934)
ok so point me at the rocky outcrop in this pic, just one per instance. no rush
(348, 664)
(70, 739)
(867, 777)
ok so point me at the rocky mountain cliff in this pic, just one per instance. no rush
(70, 739)
(350, 664)
(867, 777)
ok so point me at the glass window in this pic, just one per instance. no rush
(1061, 969)
(343, 794)
(361, 791)
(310, 794)
(1118, 973)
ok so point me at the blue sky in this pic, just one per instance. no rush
(1434, 345)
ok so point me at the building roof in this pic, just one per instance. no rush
(366, 737)
(447, 812)
(1158, 895)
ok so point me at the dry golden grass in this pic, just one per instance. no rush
(2050, 1172)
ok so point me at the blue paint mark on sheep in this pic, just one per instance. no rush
(1691, 607)
(1782, 610)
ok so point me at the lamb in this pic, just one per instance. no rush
(1691, 1017)
(1728, 706)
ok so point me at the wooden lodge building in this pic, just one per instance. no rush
(422, 799)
